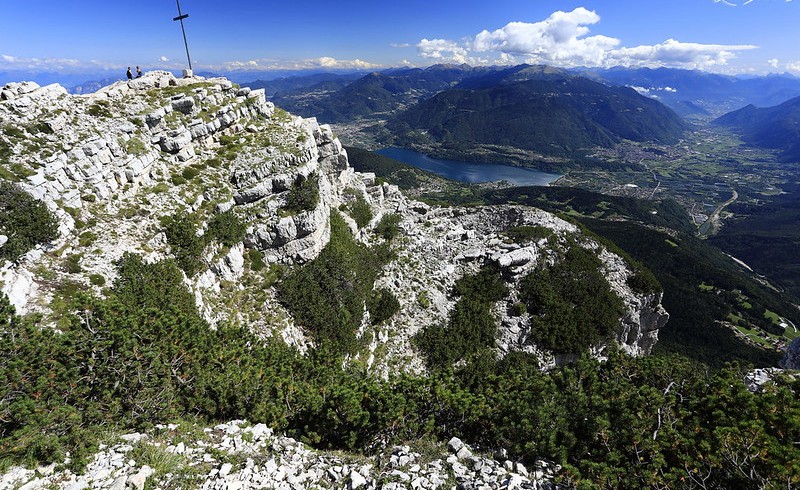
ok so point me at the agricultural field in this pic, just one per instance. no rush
(701, 172)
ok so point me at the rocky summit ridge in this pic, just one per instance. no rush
(112, 164)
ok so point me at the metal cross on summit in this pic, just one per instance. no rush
(180, 17)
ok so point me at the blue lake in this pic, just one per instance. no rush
(470, 172)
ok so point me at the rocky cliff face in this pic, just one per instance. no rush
(111, 164)
(791, 359)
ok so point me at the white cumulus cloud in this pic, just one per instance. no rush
(564, 39)
(793, 66)
(790, 66)
(561, 39)
(163, 59)
(442, 50)
(328, 62)
(676, 54)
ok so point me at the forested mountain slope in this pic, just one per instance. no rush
(775, 127)
(556, 114)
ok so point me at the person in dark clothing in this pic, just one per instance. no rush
(130, 75)
(138, 72)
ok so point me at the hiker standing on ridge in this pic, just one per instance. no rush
(130, 75)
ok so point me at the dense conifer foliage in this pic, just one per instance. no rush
(628, 423)
(327, 295)
(766, 236)
(304, 194)
(681, 264)
(471, 327)
(389, 226)
(226, 228)
(382, 305)
(187, 244)
(571, 304)
(143, 355)
(25, 221)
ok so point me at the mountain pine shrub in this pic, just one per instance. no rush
(25, 221)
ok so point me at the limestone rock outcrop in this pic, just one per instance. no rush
(238, 455)
(445, 244)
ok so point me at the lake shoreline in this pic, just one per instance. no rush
(471, 172)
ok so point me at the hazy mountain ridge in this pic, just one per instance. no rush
(376, 93)
(407, 100)
(698, 93)
(775, 127)
(691, 93)
(298, 83)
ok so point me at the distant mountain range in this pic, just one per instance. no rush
(690, 93)
(301, 84)
(64, 79)
(693, 93)
(539, 108)
(374, 94)
(93, 86)
(775, 127)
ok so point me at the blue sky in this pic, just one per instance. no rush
(731, 36)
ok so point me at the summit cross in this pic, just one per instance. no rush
(180, 17)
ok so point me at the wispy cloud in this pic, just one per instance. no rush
(12, 63)
(739, 3)
(326, 62)
(563, 39)
(733, 3)
(676, 54)
(778, 65)
(67, 65)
